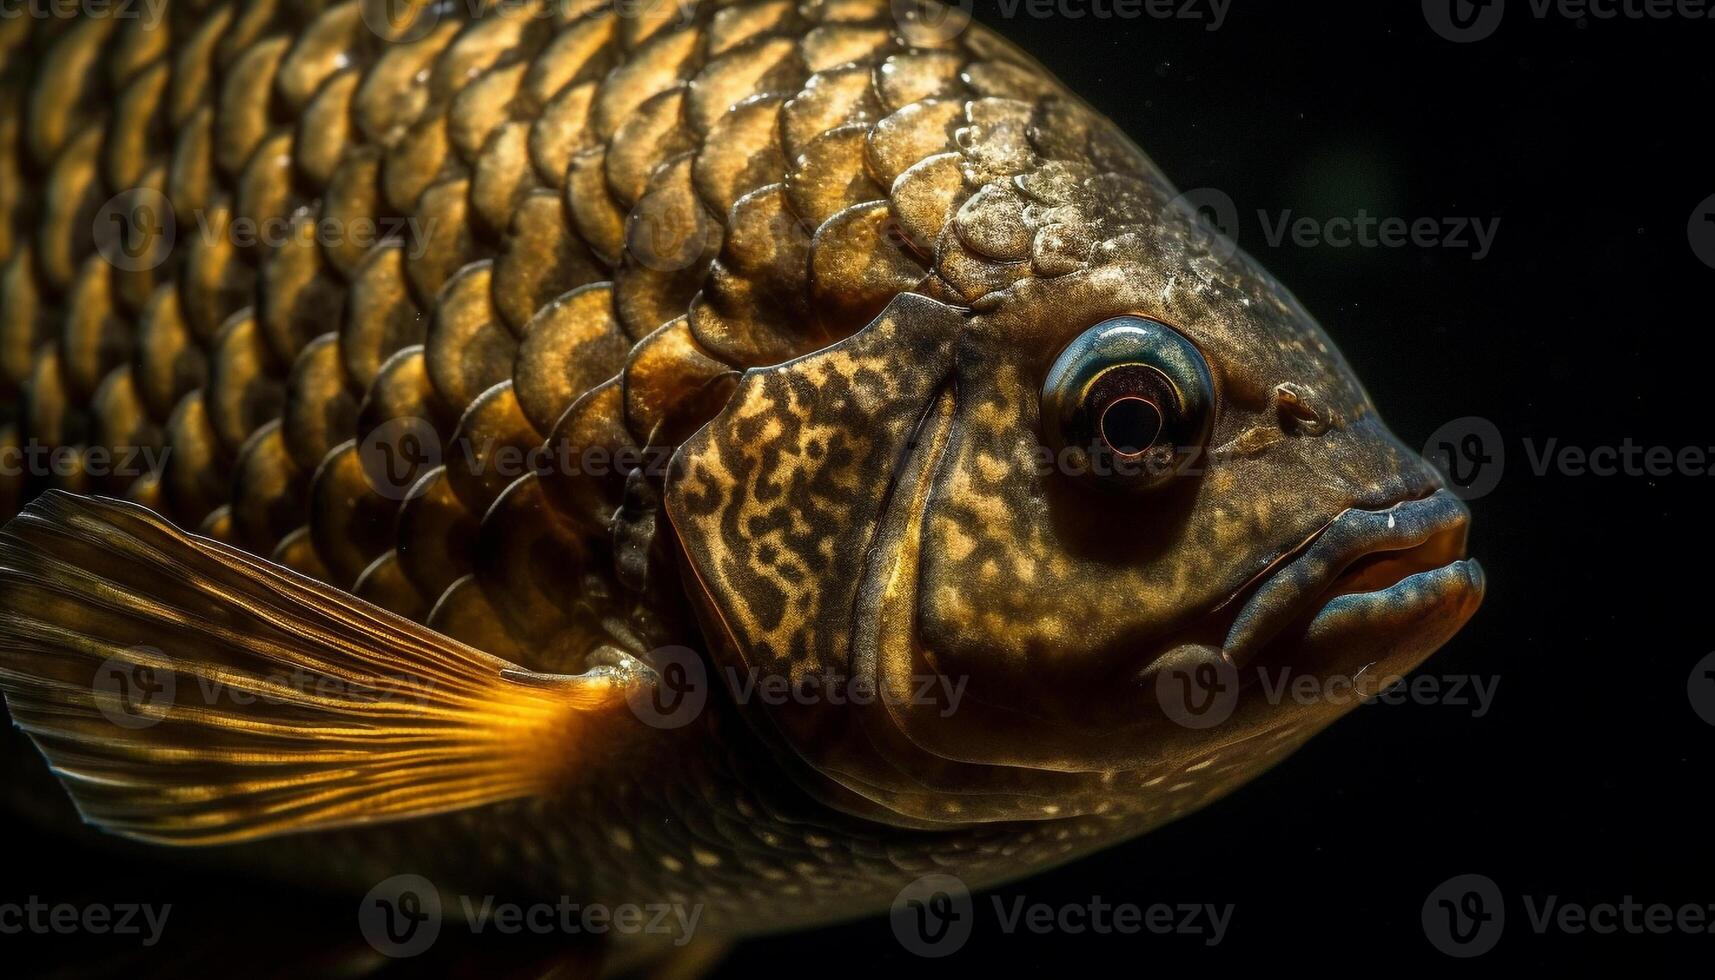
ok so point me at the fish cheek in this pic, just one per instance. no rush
(776, 501)
(1039, 591)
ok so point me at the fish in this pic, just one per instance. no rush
(748, 454)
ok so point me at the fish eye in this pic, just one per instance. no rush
(1130, 402)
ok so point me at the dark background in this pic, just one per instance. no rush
(1588, 779)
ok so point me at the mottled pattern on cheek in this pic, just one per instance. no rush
(777, 499)
(1021, 576)
(993, 568)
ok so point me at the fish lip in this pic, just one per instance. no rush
(1425, 535)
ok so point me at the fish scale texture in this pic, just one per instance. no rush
(283, 249)
(280, 247)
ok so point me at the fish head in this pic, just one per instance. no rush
(1058, 549)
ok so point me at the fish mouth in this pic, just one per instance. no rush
(1391, 584)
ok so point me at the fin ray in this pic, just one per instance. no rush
(282, 704)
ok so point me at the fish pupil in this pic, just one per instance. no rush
(1131, 425)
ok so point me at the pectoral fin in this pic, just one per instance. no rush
(188, 693)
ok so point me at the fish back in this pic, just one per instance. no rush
(419, 304)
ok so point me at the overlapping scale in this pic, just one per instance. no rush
(548, 233)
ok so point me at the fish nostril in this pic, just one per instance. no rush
(1300, 410)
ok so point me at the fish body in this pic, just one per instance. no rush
(545, 352)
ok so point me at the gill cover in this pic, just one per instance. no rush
(799, 512)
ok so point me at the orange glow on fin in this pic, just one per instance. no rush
(188, 693)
